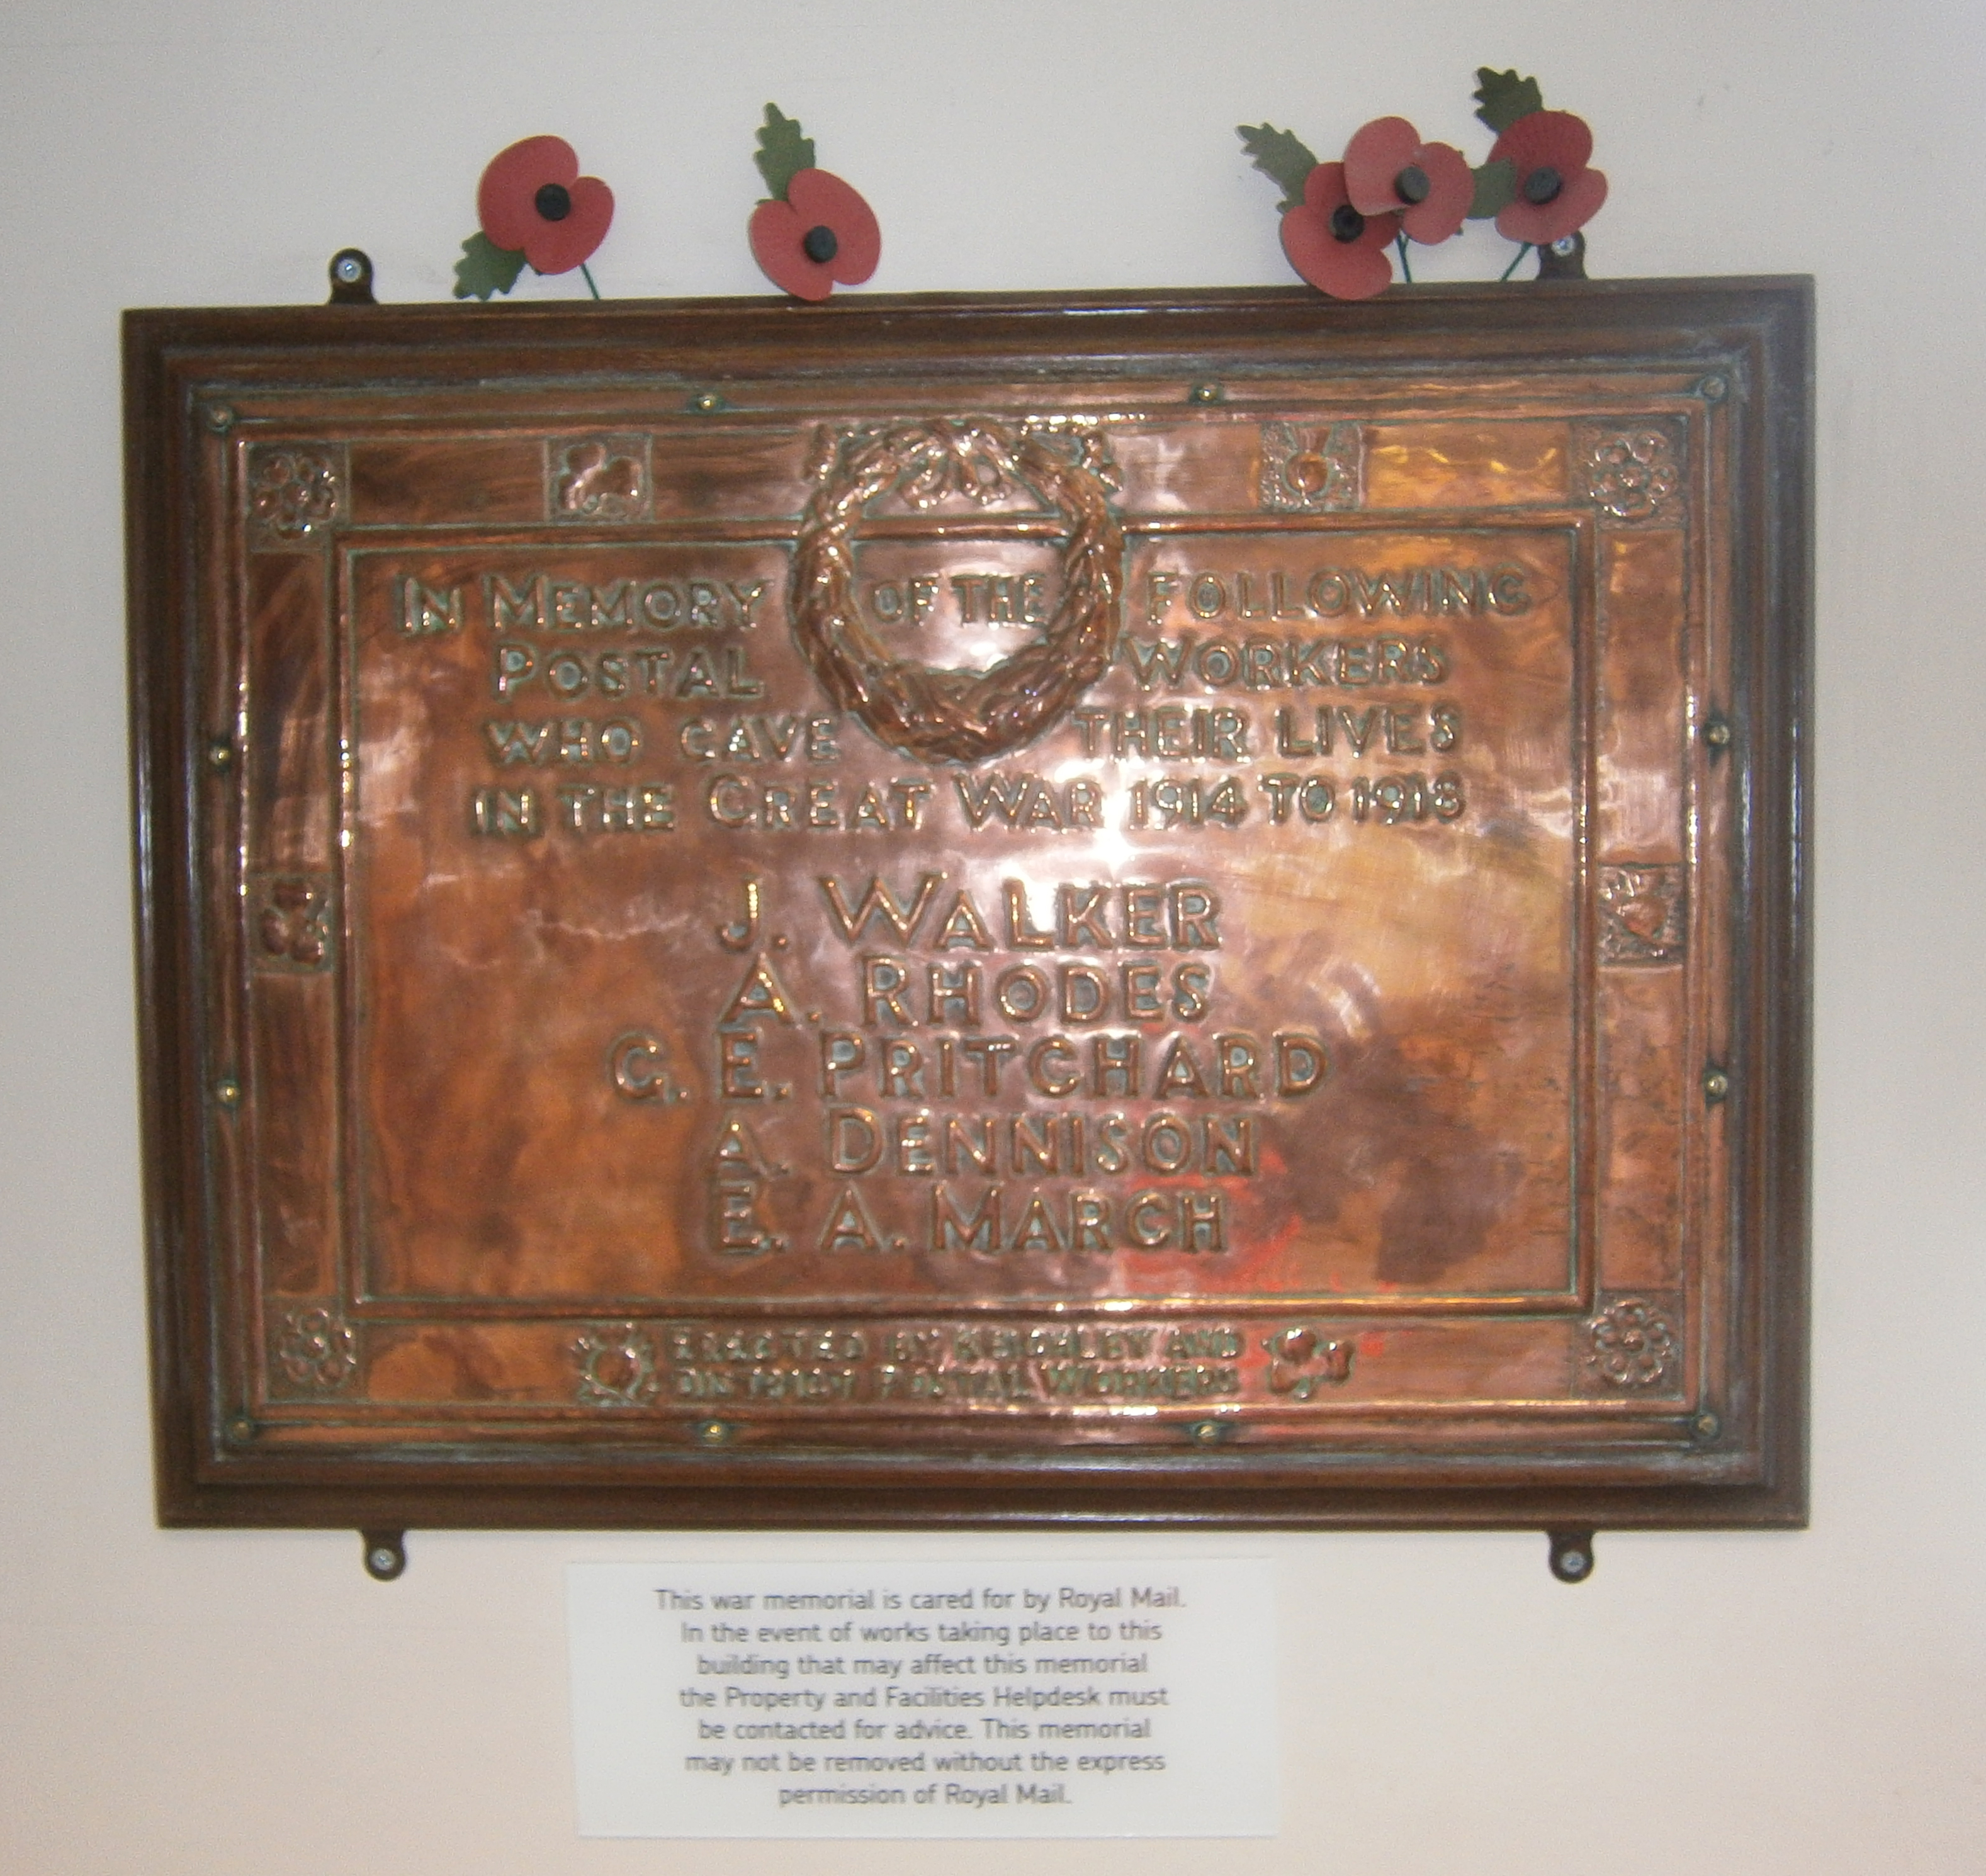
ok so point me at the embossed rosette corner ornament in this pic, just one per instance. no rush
(537, 209)
(959, 716)
(1343, 222)
(814, 232)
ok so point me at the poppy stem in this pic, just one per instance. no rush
(1406, 268)
(588, 272)
(1513, 268)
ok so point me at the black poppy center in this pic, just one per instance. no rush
(819, 244)
(553, 202)
(1412, 184)
(1347, 224)
(1542, 185)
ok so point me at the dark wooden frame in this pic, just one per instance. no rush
(1757, 334)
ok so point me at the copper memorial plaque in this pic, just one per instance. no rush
(1184, 909)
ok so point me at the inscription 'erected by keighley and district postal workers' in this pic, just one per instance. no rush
(1060, 908)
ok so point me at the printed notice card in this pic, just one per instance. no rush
(1013, 1699)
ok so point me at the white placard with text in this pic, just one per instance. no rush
(925, 1699)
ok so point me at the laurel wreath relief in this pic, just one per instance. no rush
(945, 715)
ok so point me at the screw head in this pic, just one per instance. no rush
(1204, 394)
(705, 401)
(350, 272)
(712, 1433)
(221, 756)
(1714, 389)
(1566, 244)
(1717, 733)
(1706, 1426)
(241, 1427)
(1572, 1562)
(1205, 1433)
(219, 418)
(228, 1091)
(1716, 1085)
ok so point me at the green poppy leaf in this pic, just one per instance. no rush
(485, 268)
(784, 150)
(1496, 188)
(1505, 97)
(1281, 156)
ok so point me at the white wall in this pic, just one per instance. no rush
(214, 1702)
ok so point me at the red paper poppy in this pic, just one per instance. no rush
(823, 232)
(1388, 169)
(1339, 251)
(532, 197)
(1556, 191)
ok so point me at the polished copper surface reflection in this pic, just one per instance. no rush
(947, 912)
